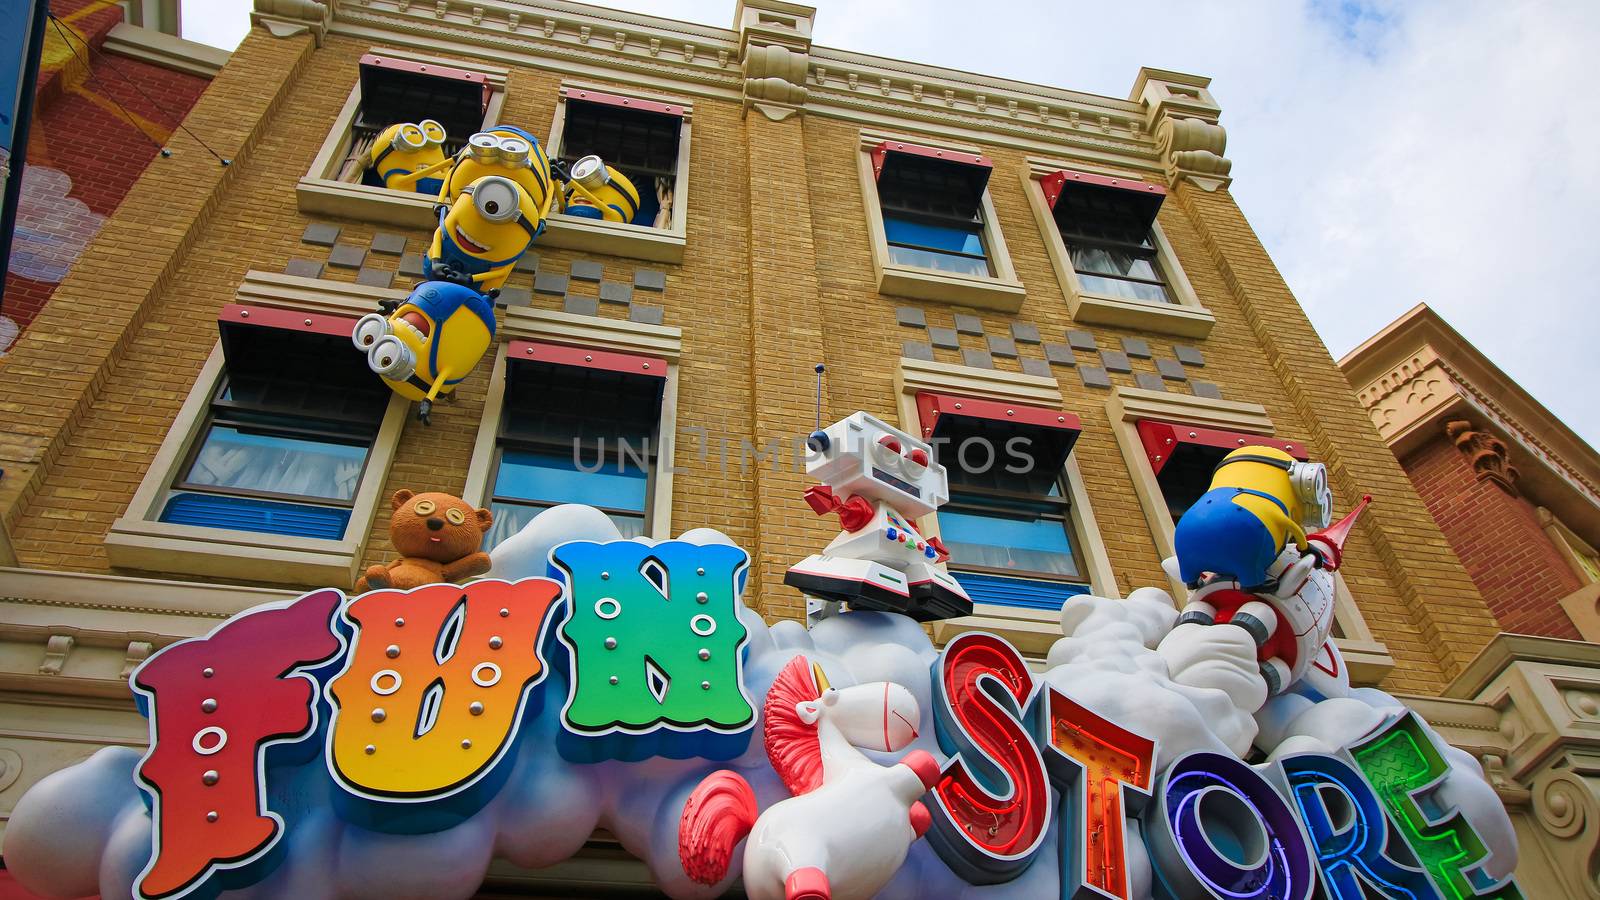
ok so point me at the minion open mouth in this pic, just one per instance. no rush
(467, 243)
(417, 322)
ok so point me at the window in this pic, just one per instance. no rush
(638, 138)
(1184, 457)
(1114, 263)
(933, 226)
(274, 466)
(1107, 233)
(396, 86)
(1008, 525)
(285, 441)
(576, 426)
(646, 139)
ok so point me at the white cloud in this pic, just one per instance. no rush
(1386, 152)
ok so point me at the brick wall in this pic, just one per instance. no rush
(84, 152)
(1498, 537)
(777, 276)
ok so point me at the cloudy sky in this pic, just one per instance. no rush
(1387, 152)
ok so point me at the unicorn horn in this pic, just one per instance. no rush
(1330, 540)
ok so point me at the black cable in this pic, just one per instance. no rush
(178, 121)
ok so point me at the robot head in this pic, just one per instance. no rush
(1307, 495)
(863, 455)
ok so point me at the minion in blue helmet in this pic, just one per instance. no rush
(409, 156)
(1260, 499)
(483, 233)
(596, 191)
(430, 342)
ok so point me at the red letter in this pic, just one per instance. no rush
(215, 703)
(1091, 760)
(992, 804)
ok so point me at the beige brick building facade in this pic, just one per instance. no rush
(780, 264)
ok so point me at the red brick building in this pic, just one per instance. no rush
(110, 92)
(1514, 490)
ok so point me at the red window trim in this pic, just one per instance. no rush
(881, 152)
(437, 71)
(1054, 183)
(286, 319)
(589, 96)
(1159, 438)
(930, 406)
(588, 358)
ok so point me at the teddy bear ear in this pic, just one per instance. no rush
(485, 519)
(401, 498)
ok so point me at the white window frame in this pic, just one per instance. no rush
(619, 238)
(1001, 291)
(320, 192)
(1367, 657)
(1032, 631)
(138, 540)
(548, 326)
(1185, 316)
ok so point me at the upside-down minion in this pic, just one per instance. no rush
(410, 157)
(506, 151)
(597, 191)
(1260, 499)
(484, 232)
(430, 342)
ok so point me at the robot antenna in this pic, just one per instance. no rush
(818, 441)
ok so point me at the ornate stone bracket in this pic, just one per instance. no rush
(1486, 452)
(775, 55)
(1182, 114)
(286, 18)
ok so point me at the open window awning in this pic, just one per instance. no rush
(960, 176)
(1168, 444)
(557, 391)
(1141, 198)
(1047, 435)
(400, 90)
(265, 336)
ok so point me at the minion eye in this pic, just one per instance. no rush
(424, 507)
(455, 516)
(412, 136)
(432, 131)
(483, 145)
(496, 198)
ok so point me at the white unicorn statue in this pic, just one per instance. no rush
(850, 821)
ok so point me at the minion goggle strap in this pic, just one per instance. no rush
(1308, 480)
(499, 200)
(412, 136)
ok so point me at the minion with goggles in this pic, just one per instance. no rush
(505, 151)
(483, 233)
(596, 191)
(1260, 499)
(410, 156)
(430, 342)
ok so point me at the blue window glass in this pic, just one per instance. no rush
(941, 246)
(1013, 540)
(1027, 593)
(265, 463)
(529, 481)
(254, 514)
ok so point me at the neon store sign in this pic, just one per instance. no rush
(407, 709)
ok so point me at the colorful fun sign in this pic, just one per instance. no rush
(415, 705)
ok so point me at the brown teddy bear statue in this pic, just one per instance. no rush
(438, 537)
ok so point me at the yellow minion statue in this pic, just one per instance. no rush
(409, 156)
(596, 191)
(430, 342)
(1260, 499)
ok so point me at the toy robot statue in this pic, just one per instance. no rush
(1243, 551)
(879, 480)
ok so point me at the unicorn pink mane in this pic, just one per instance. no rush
(792, 745)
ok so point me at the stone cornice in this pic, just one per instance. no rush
(696, 59)
(1421, 341)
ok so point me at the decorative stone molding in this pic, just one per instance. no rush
(55, 653)
(1182, 114)
(1486, 452)
(775, 54)
(286, 18)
